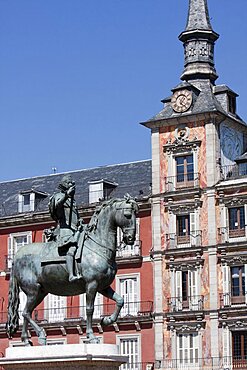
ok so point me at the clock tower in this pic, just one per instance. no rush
(198, 142)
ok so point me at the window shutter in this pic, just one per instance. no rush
(245, 220)
(193, 228)
(226, 285)
(193, 289)
(29, 237)
(137, 230)
(10, 251)
(119, 236)
(245, 282)
(226, 345)
(179, 289)
(20, 203)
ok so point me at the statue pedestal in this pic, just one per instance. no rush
(65, 357)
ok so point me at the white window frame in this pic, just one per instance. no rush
(133, 308)
(129, 250)
(28, 207)
(96, 191)
(172, 168)
(98, 306)
(12, 247)
(181, 362)
(55, 314)
(226, 225)
(139, 351)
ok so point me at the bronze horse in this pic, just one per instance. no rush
(97, 268)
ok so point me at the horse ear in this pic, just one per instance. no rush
(127, 197)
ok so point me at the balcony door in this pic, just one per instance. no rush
(185, 170)
(128, 288)
(239, 350)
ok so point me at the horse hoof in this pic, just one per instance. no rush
(106, 321)
(28, 343)
(94, 341)
(42, 341)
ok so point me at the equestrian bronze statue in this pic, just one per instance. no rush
(42, 268)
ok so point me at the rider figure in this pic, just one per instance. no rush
(69, 226)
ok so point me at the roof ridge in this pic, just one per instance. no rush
(74, 171)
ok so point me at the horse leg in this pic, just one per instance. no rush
(110, 293)
(34, 298)
(91, 291)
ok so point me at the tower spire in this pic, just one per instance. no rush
(198, 39)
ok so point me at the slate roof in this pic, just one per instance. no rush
(134, 178)
(198, 16)
(205, 102)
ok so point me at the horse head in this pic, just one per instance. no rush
(126, 211)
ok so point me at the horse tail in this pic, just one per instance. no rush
(12, 324)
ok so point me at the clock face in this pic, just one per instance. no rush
(181, 101)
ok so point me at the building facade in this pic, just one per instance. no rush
(25, 216)
(199, 213)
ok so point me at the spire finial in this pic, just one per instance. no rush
(199, 39)
(198, 16)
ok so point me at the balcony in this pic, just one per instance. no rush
(213, 363)
(129, 253)
(193, 303)
(130, 310)
(233, 172)
(174, 241)
(227, 300)
(227, 235)
(182, 181)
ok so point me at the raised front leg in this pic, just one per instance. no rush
(110, 293)
(90, 298)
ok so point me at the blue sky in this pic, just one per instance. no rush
(77, 77)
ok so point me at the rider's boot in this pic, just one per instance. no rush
(70, 267)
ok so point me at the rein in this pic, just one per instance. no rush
(105, 252)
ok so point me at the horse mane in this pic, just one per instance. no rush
(94, 219)
(108, 203)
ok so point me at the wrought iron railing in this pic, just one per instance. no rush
(125, 251)
(192, 303)
(234, 171)
(174, 241)
(225, 234)
(230, 300)
(137, 309)
(209, 363)
(182, 180)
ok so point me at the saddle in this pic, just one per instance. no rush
(52, 251)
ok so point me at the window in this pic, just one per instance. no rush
(100, 189)
(183, 229)
(55, 308)
(185, 169)
(129, 346)
(26, 202)
(187, 290)
(188, 349)
(129, 288)
(239, 349)
(236, 222)
(15, 241)
(238, 284)
(98, 306)
(232, 104)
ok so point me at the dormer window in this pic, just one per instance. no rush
(29, 200)
(100, 189)
(232, 104)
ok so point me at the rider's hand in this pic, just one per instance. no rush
(71, 191)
